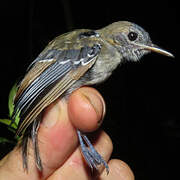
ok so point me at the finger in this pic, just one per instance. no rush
(86, 116)
(57, 138)
(76, 168)
(61, 134)
(119, 170)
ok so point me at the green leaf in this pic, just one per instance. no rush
(12, 94)
(5, 140)
(5, 121)
(17, 119)
(12, 127)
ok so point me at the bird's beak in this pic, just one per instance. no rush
(155, 48)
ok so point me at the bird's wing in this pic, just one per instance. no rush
(48, 78)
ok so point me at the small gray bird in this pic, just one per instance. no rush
(74, 59)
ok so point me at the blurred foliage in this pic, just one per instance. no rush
(11, 125)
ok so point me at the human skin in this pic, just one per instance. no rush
(59, 146)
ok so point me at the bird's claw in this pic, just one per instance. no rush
(92, 157)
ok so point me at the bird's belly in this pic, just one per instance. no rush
(99, 78)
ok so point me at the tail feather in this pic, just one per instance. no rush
(31, 133)
(34, 138)
(24, 144)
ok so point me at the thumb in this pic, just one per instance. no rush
(56, 137)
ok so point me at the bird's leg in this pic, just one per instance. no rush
(34, 137)
(92, 157)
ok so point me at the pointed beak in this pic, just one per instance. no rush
(155, 48)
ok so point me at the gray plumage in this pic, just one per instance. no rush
(81, 57)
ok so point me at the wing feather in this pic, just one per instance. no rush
(52, 74)
(32, 74)
(51, 83)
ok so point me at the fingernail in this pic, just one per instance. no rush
(96, 101)
(104, 109)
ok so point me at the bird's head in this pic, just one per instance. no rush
(131, 40)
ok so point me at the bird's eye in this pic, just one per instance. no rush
(132, 36)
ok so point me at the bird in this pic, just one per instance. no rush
(82, 57)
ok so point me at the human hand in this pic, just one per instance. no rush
(59, 146)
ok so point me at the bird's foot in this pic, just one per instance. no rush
(92, 157)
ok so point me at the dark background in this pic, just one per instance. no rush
(142, 98)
